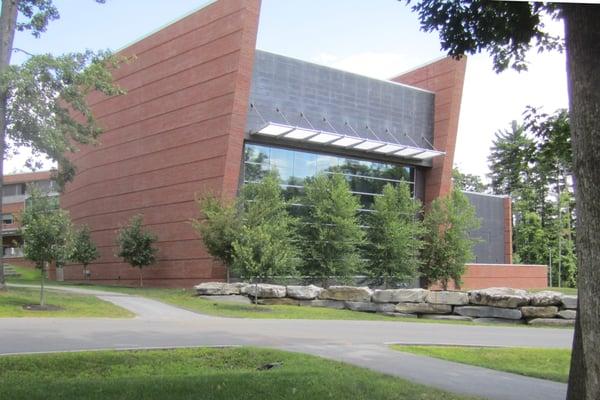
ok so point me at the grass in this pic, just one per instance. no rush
(72, 305)
(28, 275)
(202, 373)
(187, 299)
(563, 290)
(552, 364)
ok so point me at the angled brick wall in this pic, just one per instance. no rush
(445, 78)
(176, 133)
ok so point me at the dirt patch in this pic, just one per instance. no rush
(37, 307)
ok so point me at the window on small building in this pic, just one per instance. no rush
(13, 189)
(8, 219)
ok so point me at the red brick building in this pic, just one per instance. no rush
(203, 111)
(14, 195)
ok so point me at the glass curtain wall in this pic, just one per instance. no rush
(366, 178)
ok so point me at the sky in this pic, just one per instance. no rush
(378, 38)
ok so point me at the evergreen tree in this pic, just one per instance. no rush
(509, 160)
(394, 235)
(83, 250)
(136, 245)
(447, 242)
(330, 231)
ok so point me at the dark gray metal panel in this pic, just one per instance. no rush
(348, 101)
(490, 210)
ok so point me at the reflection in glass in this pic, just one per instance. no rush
(366, 178)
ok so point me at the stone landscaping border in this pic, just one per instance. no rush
(483, 305)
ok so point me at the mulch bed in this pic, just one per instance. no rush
(37, 307)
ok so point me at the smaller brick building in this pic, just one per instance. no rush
(14, 196)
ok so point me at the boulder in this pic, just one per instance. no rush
(498, 321)
(346, 293)
(569, 302)
(216, 289)
(264, 290)
(567, 314)
(399, 315)
(365, 306)
(400, 295)
(446, 317)
(447, 297)
(232, 298)
(309, 292)
(282, 301)
(499, 297)
(244, 288)
(552, 322)
(384, 307)
(488, 312)
(539, 312)
(423, 308)
(337, 304)
(546, 298)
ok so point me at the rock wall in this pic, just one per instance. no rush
(484, 305)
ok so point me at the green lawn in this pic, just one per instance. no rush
(229, 373)
(28, 275)
(563, 290)
(187, 299)
(73, 305)
(552, 364)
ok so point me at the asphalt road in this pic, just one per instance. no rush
(363, 343)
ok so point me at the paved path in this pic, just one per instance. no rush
(362, 343)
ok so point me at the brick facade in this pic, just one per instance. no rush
(177, 132)
(445, 78)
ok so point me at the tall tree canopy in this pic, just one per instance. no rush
(532, 163)
(467, 182)
(508, 30)
(43, 101)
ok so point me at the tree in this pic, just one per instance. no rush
(533, 163)
(508, 30)
(265, 245)
(330, 231)
(136, 245)
(43, 101)
(219, 227)
(46, 231)
(447, 242)
(509, 160)
(394, 235)
(83, 249)
(467, 182)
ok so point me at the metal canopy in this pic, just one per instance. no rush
(330, 139)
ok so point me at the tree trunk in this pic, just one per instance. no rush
(42, 294)
(576, 388)
(583, 52)
(8, 23)
(141, 278)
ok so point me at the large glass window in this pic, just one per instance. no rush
(366, 178)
